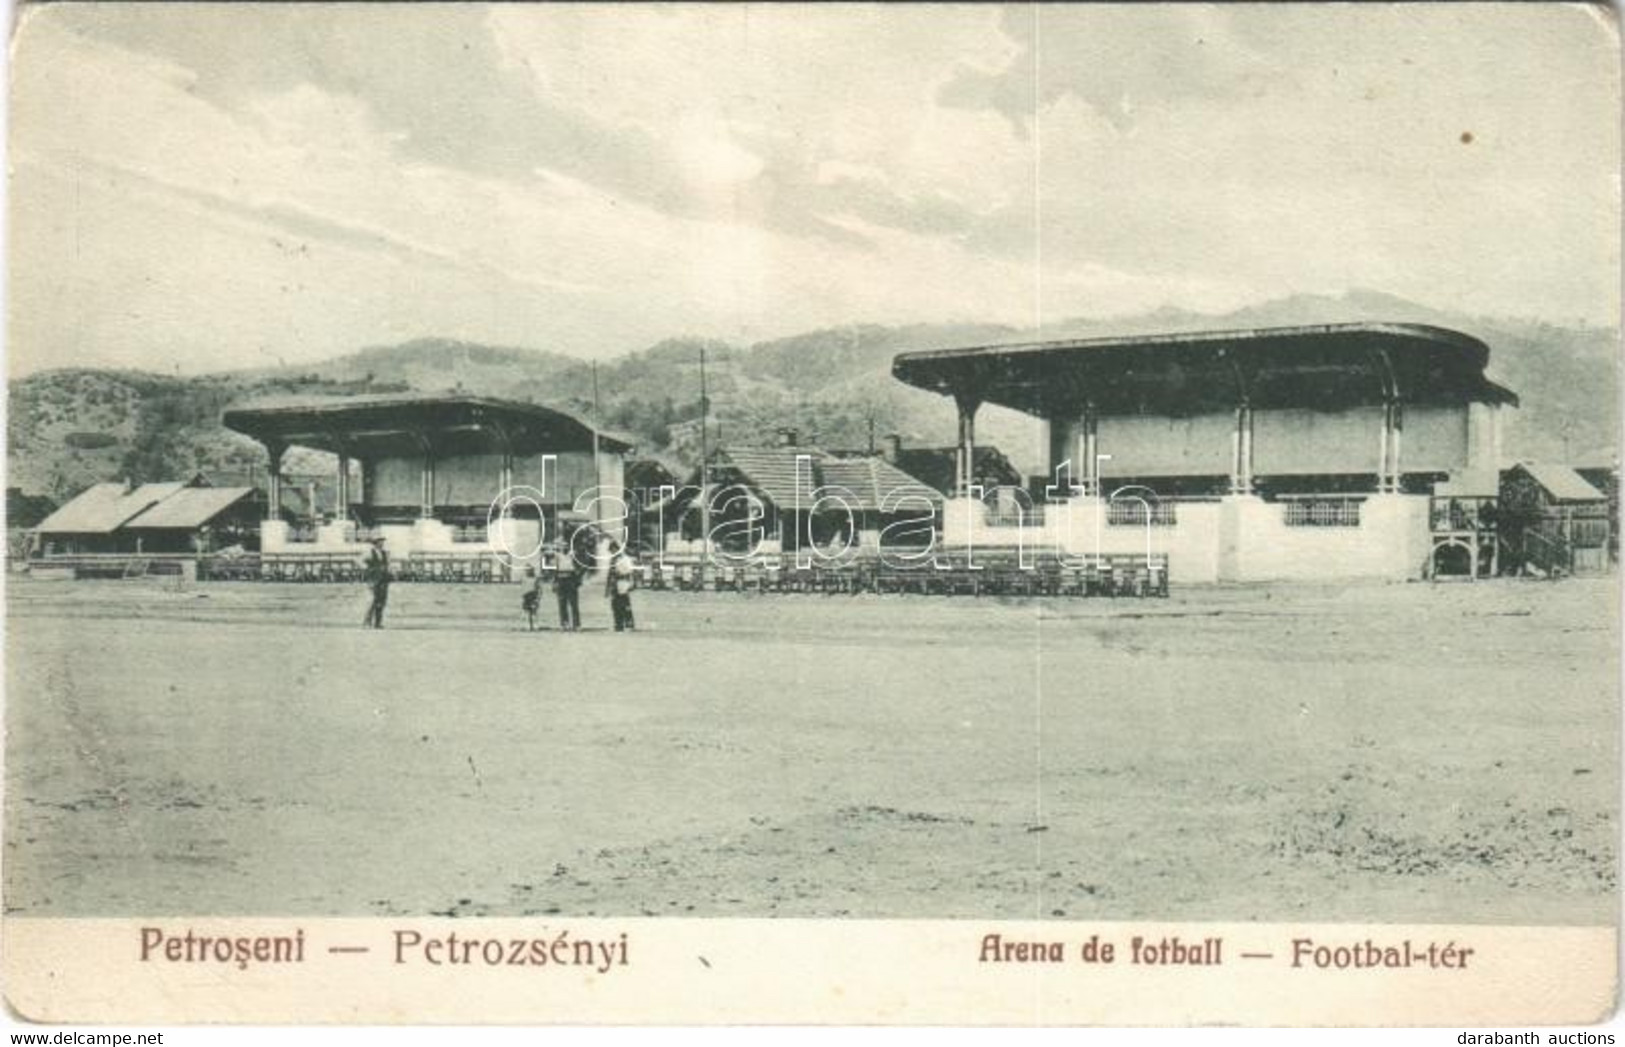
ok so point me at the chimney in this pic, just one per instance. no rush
(788, 437)
(892, 449)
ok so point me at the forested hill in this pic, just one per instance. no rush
(70, 428)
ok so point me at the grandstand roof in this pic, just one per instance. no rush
(1323, 367)
(385, 426)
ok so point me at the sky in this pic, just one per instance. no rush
(199, 187)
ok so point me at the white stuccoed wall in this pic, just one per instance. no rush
(273, 536)
(1391, 542)
(516, 540)
(1235, 539)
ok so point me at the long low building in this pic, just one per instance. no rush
(168, 517)
(1279, 453)
(428, 473)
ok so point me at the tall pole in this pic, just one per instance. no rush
(597, 471)
(705, 474)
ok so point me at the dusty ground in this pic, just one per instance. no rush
(1404, 752)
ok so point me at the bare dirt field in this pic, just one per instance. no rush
(1377, 752)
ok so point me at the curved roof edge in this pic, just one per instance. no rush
(258, 422)
(1400, 332)
(1318, 366)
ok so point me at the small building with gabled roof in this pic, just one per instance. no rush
(89, 521)
(198, 519)
(1552, 519)
(1547, 484)
(174, 516)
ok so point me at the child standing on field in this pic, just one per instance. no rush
(531, 601)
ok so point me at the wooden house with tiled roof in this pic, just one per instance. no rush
(939, 467)
(1553, 518)
(792, 495)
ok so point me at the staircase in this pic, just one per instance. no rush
(1543, 555)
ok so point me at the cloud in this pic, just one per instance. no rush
(593, 178)
(679, 108)
(1432, 150)
(791, 89)
(1118, 59)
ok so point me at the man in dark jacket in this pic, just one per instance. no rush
(376, 575)
(567, 582)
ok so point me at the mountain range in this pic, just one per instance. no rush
(72, 427)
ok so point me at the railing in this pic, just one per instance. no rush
(1321, 512)
(115, 565)
(1549, 553)
(1016, 516)
(1136, 513)
(454, 567)
(982, 573)
(302, 567)
(951, 573)
(469, 535)
(242, 567)
(1462, 514)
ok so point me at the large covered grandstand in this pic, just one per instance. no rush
(432, 473)
(1299, 452)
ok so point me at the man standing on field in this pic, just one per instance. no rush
(376, 575)
(567, 581)
(622, 580)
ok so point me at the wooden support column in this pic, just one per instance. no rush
(1392, 423)
(273, 507)
(1060, 440)
(1389, 471)
(1241, 438)
(1247, 449)
(426, 504)
(369, 480)
(967, 405)
(341, 508)
(1396, 481)
(1089, 450)
(1241, 451)
(1382, 447)
(504, 445)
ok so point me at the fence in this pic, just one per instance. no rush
(116, 565)
(1321, 512)
(951, 574)
(1007, 515)
(1137, 513)
(1462, 514)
